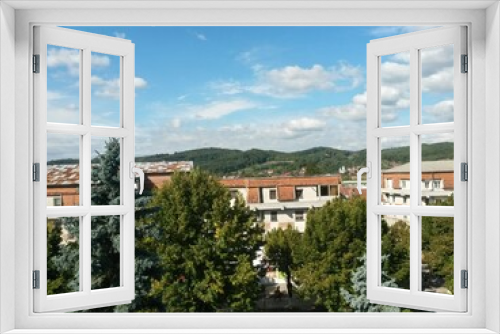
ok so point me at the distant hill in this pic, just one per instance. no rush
(321, 160)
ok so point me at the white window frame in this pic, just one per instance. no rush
(414, 43)
(482, 316)
(86, 43)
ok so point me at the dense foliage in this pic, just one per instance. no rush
(280, 248)
(357, 300)
(206, 247)
(333, 242)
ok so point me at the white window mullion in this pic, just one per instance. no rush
(414, 169)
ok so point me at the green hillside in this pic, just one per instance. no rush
(317, 160)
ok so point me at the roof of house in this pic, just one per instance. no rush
(63, 175)
(427, 167)
(273, 182)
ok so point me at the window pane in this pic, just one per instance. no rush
(63, 169)
(395, 89)
(395, 166)
(63, 255)
(437, 84)
(437, 254)
(105, 245)
(106, 90)
(437, 169)
(63, 85)
(105, 171)
(395, 252)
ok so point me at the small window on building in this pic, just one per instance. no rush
(57, 201)
(299, 193)
(272, 194)
(274, 216)
(405, 184)
(427, 184)
(234, 194)
(324, 191)
(388, 183)
(334, 190)
(436, 184)
(299, 216)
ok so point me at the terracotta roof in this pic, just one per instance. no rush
(62, 175)
(164, 167)
(286, 193)
(427, 167)
(273, 182)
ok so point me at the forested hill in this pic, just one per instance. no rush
(318, 160)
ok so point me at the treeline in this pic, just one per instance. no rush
(254, 162)
(323, 160)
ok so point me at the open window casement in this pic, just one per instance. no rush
(71, 57)
(404, 75)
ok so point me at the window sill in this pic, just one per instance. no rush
(251, 331)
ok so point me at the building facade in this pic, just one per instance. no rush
(437, 185)
(281, 202)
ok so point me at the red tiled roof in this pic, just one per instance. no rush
(62, 175)
(273, 182)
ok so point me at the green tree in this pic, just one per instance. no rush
(206, 246)
(280, 248)
(396, 249)
(358, 300)
(437, 249)
(62, 260)
(333, 242)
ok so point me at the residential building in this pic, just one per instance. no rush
(63, 180)
(284, 201)
(436, 186)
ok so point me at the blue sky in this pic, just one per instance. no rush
(281, 88)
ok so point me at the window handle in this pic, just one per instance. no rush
(368, 171)
(134, 170)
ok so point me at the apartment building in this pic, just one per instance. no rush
(436, 186)
(284, 201)
(63, 180)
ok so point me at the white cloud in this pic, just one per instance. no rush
(119, 34)
(389, 31)
(110, 88)
(439, 82)
(69, 113)
(295, 81)
(218, 109)
(140, 83)
(200, 36)
(53, 95)
(302, 126)
(354, 111)
(176, 123)
(70, 59)
(439, 112)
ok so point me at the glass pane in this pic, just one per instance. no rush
(105, 171)
(105, 246)
(63, 85)
(106, 90)
(63, 255)
(437, 169)
(63, 169)
(395, 89)
(395, 252)
(395, 178)
(437, 84)
(437, 254)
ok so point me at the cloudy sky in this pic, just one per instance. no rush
(280, 88)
